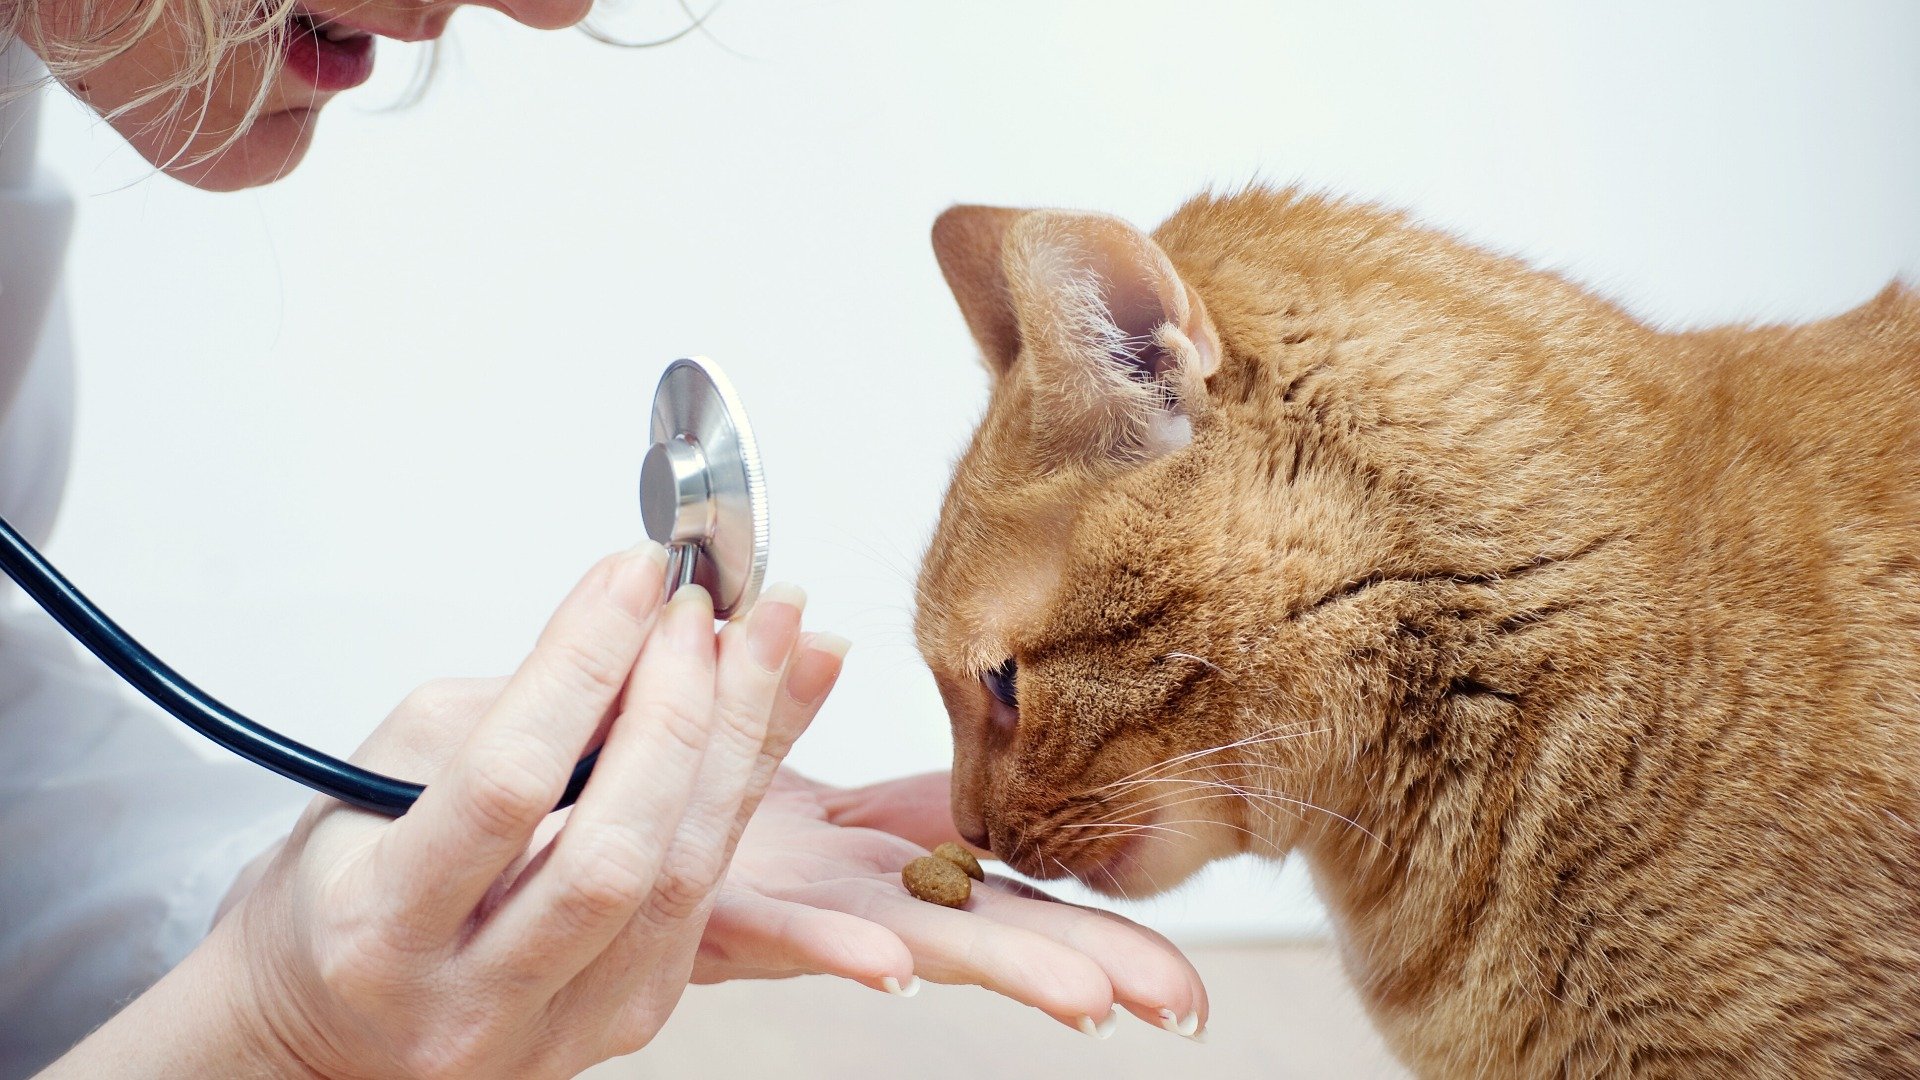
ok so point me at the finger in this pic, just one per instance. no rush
(919, 808)
(611, 855)
(752, 662)
(961, 947)
(753, 657)
(1192, 1024)
(443, 855)
(750, 935)
(811, 674)
(1151, 978)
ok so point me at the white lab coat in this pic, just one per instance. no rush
(118, 836)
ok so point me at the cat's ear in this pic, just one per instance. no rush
(1119, 346)
(969, 242)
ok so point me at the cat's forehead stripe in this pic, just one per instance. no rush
(1008, 607)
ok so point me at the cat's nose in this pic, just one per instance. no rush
(977, 836)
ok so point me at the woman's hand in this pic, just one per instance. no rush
(815, 888)
(481, 934)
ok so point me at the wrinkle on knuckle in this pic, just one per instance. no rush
(674, 899)
(395, 942)
(682, 720)
(744, 725)
(774, 748)
(760, 777)
(684, 885)
(603, 875)
(505, 793)
(362, 966)
(584, 666)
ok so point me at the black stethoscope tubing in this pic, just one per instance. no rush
(199, 710)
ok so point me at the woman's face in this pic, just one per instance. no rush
(327, 49)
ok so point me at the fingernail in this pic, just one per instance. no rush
(636, 580)
(692, 593)
(690, 613)
(774, 624)
(1190, 1026)
(651, 552)
(817, 666)
(1170, 1020)
(1102, 1030)
(892, 986)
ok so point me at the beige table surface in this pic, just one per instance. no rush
(1279, 1010)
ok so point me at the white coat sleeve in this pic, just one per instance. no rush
(118, 840)
(118, 836)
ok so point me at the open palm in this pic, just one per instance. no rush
(815, 888)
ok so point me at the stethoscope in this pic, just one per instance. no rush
(702, 495)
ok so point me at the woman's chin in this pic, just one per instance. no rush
(269, 149)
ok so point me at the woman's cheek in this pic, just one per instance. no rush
(199, 133)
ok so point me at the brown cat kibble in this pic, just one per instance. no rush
(961, 858)
(937, 881)
(1579, 659)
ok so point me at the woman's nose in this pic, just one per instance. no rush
(541, 14)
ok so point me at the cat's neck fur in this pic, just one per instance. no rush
(1623, 627)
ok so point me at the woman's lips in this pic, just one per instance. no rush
(329, 58)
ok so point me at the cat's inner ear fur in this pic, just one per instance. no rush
(1117, 346)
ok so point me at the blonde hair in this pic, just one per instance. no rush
(211, 32)
(73, 44)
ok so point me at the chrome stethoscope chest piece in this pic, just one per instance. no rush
(702, 493)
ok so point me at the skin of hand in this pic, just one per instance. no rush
(481, 934)
(815, 888)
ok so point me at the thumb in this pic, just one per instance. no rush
(755, 936)
(916, 808)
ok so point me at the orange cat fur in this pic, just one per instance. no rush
(1580, 660)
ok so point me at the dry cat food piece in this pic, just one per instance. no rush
(936, 881)
(961, 858)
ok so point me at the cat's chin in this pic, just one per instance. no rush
(1146, 864)
(1145, 869)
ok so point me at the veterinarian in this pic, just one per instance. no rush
(157, 916)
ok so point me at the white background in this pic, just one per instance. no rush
(364, 428)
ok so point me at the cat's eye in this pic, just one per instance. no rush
(1000, 683)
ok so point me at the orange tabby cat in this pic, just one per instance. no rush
(1580, 660)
